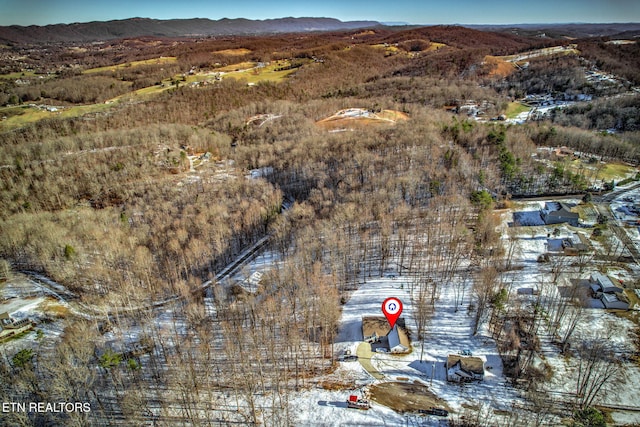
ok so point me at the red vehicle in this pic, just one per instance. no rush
(356, 403)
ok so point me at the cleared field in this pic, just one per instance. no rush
(435, 46)
(359, 117)
(498, 66)
(610, 171)
(248, 71)
(18, 75)
(236, 67)
(233, 52)
(161, 60)
(616, 171)
(393, 49)
(390, 49)
(274, 72)
(515, 108)
(406, 397)
(24, 115)
(547, 51)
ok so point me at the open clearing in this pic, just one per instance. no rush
(405, 397)
(516, 108)
(233, 52)
(154, 61)
(498, 66)
(503, 66)
(537, 53)
(358, 117)
(18, 75)
(250, 72)
(23, 115)
(609, 171)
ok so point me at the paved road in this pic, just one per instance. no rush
(90, 312)
(604, 209)
(608, 198)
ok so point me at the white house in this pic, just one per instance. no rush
(396, 344)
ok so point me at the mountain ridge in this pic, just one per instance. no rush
(140, 27)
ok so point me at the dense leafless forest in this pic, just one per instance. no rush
(140, 202)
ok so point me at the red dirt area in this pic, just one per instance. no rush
(498, 67)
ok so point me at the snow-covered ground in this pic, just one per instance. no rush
(23, 298)
(594, 323)
(449, 332)
(626, 209)
(540, 111)
(19, 308)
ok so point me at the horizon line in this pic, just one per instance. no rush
(391, 23)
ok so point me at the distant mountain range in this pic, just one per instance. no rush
(139, 27)
(576, 30)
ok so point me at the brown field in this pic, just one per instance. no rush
(351, 118)
(233, 52)
(498, 67)
(406, 397)
(236, 67)
(365, 33)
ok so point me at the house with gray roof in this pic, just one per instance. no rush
(559, 213)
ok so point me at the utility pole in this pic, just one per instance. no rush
(433, 371)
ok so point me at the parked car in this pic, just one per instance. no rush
(439, 412)
(347, 356)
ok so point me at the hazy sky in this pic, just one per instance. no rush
(43, 12)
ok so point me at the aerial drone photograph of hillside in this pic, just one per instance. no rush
(362, 213)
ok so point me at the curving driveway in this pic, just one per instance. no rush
(364, 357)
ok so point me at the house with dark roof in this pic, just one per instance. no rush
(610, 294)
(576, 244)
(559, 213)
(602, 283)
(615, 301)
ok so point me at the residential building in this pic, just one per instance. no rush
(559, 213)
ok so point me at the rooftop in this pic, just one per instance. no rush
(467, 363)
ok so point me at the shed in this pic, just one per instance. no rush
(464, 368)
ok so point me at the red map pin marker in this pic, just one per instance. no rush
(392, 309)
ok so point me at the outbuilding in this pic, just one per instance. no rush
(464, 368)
